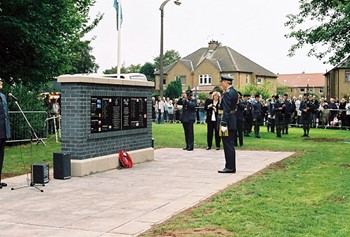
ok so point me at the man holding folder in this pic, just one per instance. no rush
(228, 123)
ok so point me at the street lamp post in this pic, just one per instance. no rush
(161, 56)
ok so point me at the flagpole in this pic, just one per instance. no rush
(119, 38)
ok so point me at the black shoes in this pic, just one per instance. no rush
(3, 185)
(218, 148)
(185, 148)
(208, 148)
(226, 171)
(190, 149)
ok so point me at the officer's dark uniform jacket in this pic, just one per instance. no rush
(5, 132)
(229, 105)
(248, 112)
(277, 111)
(257, 109)
(239, 111)
(188, 110)
(306, 116)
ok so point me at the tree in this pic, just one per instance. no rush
(113, 70)
(328, 35)
(203, 96)
(130, 69)
(41, 40)
(281, 89)
(148, 70)
(134, 68)
(174, 89)
(251, 89)
(170, 57)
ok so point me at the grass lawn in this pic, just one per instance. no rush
(18, 159)
(305, 195)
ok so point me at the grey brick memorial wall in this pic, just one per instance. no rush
(77, 137)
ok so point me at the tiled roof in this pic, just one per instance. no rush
(344, 64)
(228, 60)
(302, 80)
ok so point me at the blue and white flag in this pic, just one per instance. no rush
(119, 18)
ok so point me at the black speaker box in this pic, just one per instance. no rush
(40, 173)
(61, 166)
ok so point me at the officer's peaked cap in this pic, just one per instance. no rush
(226, 78)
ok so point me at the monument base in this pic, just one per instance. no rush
(103, 163)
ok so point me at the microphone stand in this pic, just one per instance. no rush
(31, 181)
(30, 126)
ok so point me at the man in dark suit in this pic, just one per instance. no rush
(188, 117)
(306, 108)
(277, 109)
(247, 114)
(4, 129)
(288, 111)
(228, 123)
(238, 133)
(257, 115)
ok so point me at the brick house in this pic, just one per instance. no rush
(338, 81)
(202, 70)
(298, 84)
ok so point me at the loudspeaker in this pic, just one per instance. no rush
(40, 173)
(61, 166)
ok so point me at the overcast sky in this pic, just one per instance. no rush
(254, 28)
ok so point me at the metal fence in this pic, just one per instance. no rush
(22, 124)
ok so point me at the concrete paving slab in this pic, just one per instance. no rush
(124, 202)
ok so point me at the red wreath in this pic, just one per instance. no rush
(125, 159)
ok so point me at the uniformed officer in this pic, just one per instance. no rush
(188, 117)
(277, 109)
(228, 123)
(257, 115)
(4, 129)
(306, 108)
(271, 115)
(238, 133)
(247, 114)
(289, 109)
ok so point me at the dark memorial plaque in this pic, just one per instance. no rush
(118, 113)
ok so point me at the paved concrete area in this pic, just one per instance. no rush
(122, 202)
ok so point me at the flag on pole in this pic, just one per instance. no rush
(119, 18)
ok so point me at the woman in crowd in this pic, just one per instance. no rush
(212, 109)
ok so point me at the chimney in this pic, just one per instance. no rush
(212, 45)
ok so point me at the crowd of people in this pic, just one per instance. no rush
(276, 113)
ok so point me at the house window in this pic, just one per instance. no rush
(347, 75)
(259, 81)
(247, 78)
(311, 91)
(321, 90)
(302, 90)
(205, 79)
(182, 79)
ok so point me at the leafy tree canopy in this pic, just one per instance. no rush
(133, 68)
(252, 90)
(170, 57)
(148, 70)
(325, 26)
(174, 89)
(42, 39)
